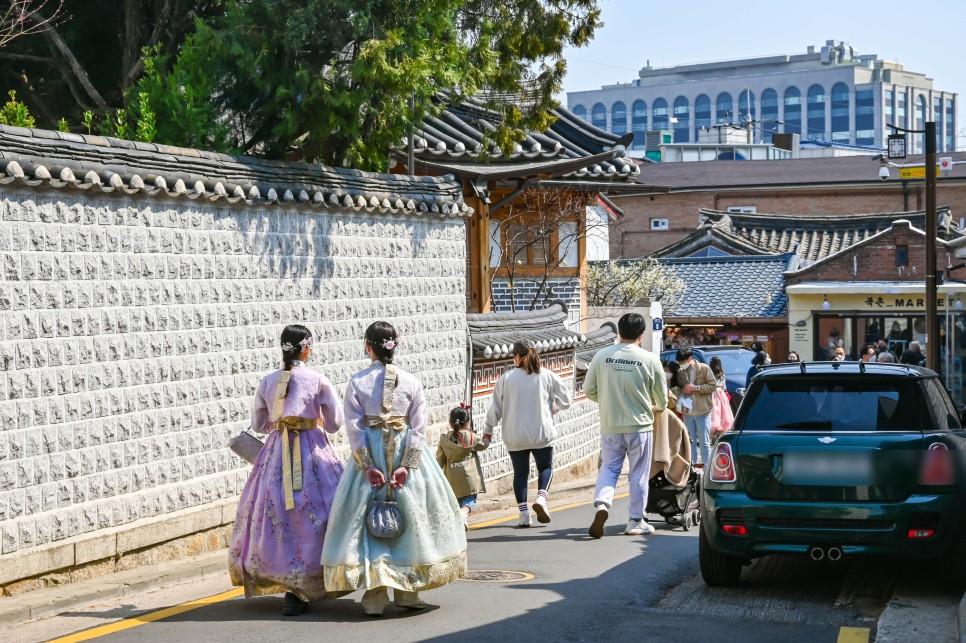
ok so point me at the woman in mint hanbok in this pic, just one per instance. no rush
(386, 418)
(284, 508)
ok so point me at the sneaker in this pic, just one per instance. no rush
(526, 520)
(597, 527)
(638, 528)
(540, 508)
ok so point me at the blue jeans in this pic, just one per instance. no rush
(467, 501)
(699, 428)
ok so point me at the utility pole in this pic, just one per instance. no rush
(932, 229)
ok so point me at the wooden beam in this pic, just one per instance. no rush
(478, 259)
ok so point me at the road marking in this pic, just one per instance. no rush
(150, 617)
(119, 626)
(854, 635)
(499, 521)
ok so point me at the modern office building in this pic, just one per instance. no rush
(833, 94)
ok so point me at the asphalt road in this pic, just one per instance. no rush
(614, 589)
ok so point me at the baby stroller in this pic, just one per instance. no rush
(677, 505)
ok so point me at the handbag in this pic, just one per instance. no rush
(246, 446)
(384, 520)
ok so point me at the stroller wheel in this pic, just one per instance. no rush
(686, 521)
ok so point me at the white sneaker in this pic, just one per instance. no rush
(597, 527)
(540, 508)
(526, 520)
(638, 528)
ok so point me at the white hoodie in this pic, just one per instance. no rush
(525, 402)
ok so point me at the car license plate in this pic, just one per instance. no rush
(828, 468)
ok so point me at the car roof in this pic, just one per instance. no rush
(843, 368)
(713, 348)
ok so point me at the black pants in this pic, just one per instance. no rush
(521, 470)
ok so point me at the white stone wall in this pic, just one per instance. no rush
(134, 332)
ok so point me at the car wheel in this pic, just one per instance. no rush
(717, 570)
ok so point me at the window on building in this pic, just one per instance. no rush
(901, 108)
(496, 245)
(567, 244)
(937, 116)
(639, 123)
(816, 113)
(659, 224)
(920, 113)
(793, 111)
(889, 105)
(743, 209)
(950, 125)
(579, 110)
(618, 118)
(769, 114)
(660, 116)
(723, 108)
(682, 112)
(598, 116)
(840, 113)
(702, 114)
(865, 117)
(746, 106)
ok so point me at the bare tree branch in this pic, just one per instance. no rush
(23, 18)
(73, 67)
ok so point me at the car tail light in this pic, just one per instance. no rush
(921, 533)
(722, 464)
(923, 524)
(735, 530)
(937, 466)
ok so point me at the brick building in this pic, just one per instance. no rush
(798, 187)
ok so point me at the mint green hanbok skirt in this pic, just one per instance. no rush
(430, 552)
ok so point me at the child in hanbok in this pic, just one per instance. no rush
(386, 421)
(458, 455)
(276, 542)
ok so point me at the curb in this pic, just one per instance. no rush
(52, 601)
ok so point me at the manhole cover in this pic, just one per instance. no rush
(495, 576)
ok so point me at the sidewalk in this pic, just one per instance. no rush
(43, 603)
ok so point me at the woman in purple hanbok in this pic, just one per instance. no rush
(276, 543)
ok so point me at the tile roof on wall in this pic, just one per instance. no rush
(731, 286)
(460, 134)
(35, 157)
(492, 334)
(597, 339)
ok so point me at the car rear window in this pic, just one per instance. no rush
(842, 404)
(733, 363)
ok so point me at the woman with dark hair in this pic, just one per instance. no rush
(525, 399)
(283, 510)
(386, 421)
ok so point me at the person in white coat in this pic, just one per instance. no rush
(525, 400)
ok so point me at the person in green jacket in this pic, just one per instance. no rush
(629, 384)
(457, 455)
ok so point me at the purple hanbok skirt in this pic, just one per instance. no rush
(274, 550)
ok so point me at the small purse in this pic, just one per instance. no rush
(384, 520)
(246, 446)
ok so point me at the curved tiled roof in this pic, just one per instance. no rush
(732, 286)
(63, 160)
(461, 133)
(603, 337)
(492, 334)
(812, 238)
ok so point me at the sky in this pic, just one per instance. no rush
(926, 36)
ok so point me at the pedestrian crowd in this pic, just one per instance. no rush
(395, 517)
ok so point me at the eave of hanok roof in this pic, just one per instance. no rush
(812, 238)
(33, 157)
(492, 334)
(597, 339)
(459, 140)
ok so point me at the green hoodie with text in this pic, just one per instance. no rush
(627, 382)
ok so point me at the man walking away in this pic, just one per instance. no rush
(629, 385)
(696, 401)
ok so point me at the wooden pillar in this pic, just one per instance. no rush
(478, 242)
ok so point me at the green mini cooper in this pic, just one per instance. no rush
(832, 460)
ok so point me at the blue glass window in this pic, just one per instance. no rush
(724, 106)
(917, 139)
(769, 114)
(579, 110)
(816, 113)
(840, 113)
(746, 106)
(702, 114)
(865, 117)
(639, 123)
(950, 125)
(660, 116)
(793, 111)
(618, 118)
(901, 109)
(598, 116)
(937, 116)
(682, 112)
